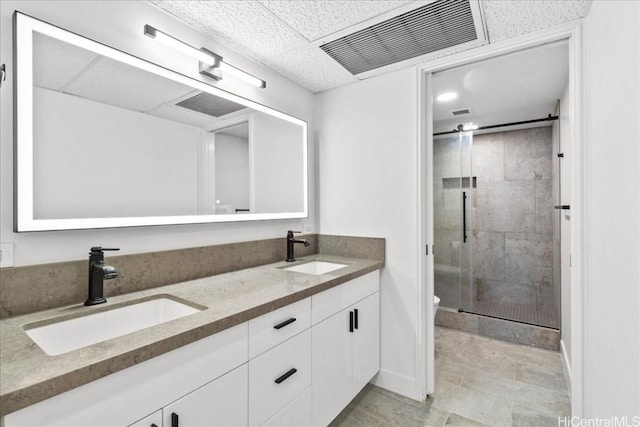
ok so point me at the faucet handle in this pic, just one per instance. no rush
(292, 231)
(100, 249)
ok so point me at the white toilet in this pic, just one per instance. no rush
(436, 303)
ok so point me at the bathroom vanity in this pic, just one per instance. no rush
(278, 344)
(268, 345)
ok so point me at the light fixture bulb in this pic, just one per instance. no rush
(469, 126)
(178, 45)
(447, 96)
(226, 68)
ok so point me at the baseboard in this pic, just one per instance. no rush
(566, 366)
(400, 384)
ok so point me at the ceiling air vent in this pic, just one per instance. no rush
(461, 112)
(436, 26)
(210, 104)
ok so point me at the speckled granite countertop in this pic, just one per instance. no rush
(28, 375)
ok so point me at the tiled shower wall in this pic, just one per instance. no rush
(511, 215)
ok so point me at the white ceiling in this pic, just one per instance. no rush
(520, 86)
(281, 34)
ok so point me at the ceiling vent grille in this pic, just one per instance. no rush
(210, 104)
(436, 26)
(461, 112)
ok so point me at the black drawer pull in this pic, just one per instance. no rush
(565, 207)
(355, 311)
(351, 321)
(285, 323)
(285, 375)
(174, 419)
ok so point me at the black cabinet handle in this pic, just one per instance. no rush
(355, 311)
(174, 419)
(565, 207)
(284, 376)
(285, 323)
(351, 321)
(464, 216)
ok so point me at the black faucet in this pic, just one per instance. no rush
(98, 272)
(290, 242)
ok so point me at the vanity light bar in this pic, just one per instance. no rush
(228, 68)
(211, 64)
(172, 42)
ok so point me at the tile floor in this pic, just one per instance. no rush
(479, 382)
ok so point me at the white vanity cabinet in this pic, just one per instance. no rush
(130, 396)
(153, 420)
(220, 403)
(296, 366)
(345, 345)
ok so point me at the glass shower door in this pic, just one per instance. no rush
(467, 200)
(452, 219)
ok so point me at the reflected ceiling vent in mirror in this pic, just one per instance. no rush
(209, 104)
(461, 112)
(434, 27)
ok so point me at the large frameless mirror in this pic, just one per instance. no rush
(105, 139)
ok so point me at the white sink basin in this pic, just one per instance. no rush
(72, 334)
(316, 267)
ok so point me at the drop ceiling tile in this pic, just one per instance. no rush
(181, 115)
(277, 33)
(56, 62)
(310, 67)
(121, 85)
(510, 18)
(245, 26)
(319, 18)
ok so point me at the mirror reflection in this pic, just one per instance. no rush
(112, 140)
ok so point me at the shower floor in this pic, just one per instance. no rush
(546, 318)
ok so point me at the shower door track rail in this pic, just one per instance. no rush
(462, 310)
(545, 119)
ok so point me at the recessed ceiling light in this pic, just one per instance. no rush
(447, 96)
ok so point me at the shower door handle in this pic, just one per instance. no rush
(464, 217)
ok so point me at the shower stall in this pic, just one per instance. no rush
(493, 224)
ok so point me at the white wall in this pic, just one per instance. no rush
(120, 25)
(232, 171)
(368, 187)
(612, 212)
(85, 167)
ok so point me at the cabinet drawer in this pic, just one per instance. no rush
(266, 396)
(295, 414)
(271, 329)
(331, 301)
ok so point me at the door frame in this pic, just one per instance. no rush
(572, 32)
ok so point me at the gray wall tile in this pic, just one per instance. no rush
(544, 207)
(528, 258)
(527, 154)
(488, 255)
(488, 157)
(506, 206)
